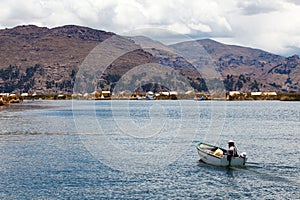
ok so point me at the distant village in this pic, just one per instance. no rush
(7, 98)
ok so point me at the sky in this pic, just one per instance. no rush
(271, 25)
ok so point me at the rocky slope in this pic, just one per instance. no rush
(43, 60)
(253, 69)
(245, 69)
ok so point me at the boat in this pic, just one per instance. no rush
(217, 156)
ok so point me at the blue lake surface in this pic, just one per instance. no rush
(146, 149)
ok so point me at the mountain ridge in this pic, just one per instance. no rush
(46, 60)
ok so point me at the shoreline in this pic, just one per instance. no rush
(20, 100)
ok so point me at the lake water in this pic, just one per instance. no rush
(146, 149)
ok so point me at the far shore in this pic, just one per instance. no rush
(197, 96)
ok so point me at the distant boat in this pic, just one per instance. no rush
(217, 156)
(149, 96)
(202, 97)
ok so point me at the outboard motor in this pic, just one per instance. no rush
(243, 155)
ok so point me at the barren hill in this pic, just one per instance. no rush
(43, 60)
(249, 69)
(241, 68)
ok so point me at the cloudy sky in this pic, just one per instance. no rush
(272, 25)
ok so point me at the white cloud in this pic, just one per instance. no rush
(129, 14)
(200, 27)
(180, 28)
(270, 25)
(252, 7)
(276, 31)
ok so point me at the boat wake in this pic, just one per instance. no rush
(264, 171)
(269, 172)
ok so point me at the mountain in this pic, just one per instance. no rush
(241, 68)
(250, 69)
(43, 60)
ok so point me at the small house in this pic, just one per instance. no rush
(234, 93)
(256, 93)
(105, 95)
(270, 93)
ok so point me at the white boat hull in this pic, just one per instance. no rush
(209, 158)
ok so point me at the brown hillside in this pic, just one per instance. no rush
(43, 60)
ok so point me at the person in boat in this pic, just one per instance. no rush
(232, 149)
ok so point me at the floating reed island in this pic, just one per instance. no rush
(7, 98)
(239, 96)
